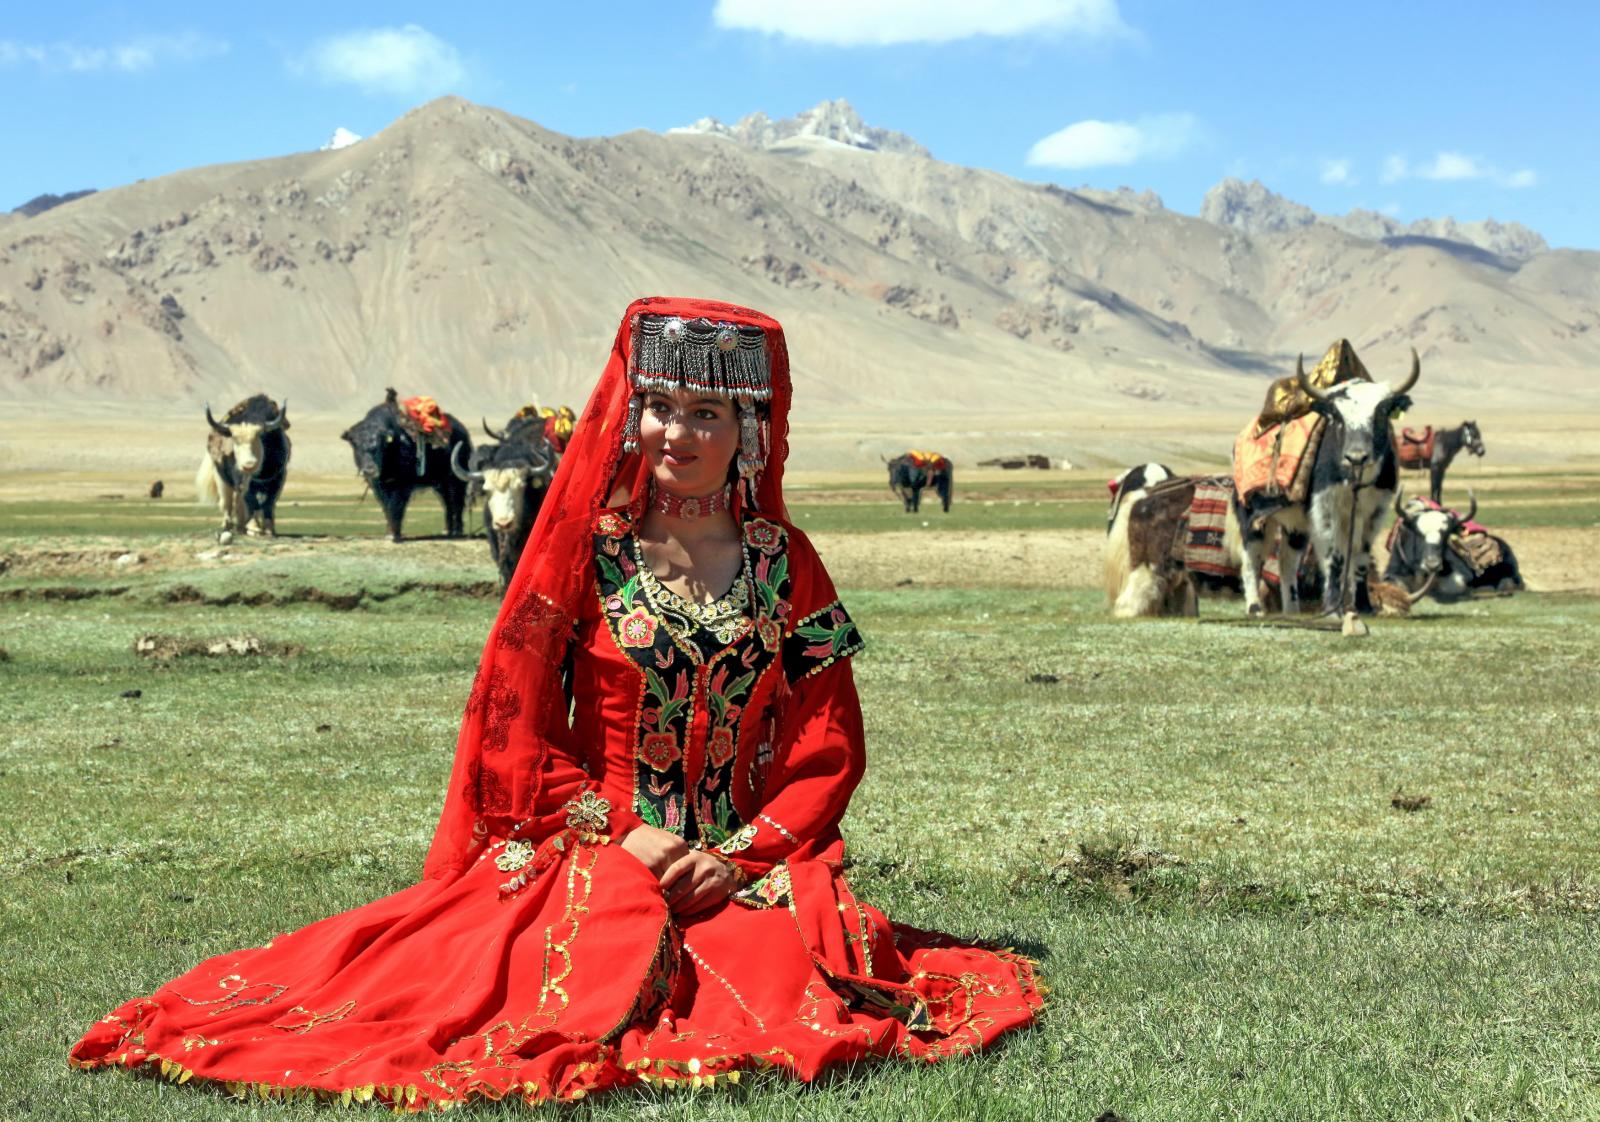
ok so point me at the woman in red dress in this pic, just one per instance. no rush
(638, 873)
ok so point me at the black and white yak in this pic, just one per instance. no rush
(514, 476)
(1435, 551)
(244, 466)
(1128, 485)
(908, 476)
(1353, 479)
(394, 463)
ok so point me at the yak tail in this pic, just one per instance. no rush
(1140, 595)
(207, 485)
(1232, 539)
(1119, 559)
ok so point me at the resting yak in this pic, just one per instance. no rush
(1435, 550)
(245, 462)
(394, 455)
(1174, 540)
(910, 473)
(1353, 478)
(513, 475)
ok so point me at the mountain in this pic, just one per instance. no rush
(1254, 209)
(41, 203)
(475, 256)
(831, 121)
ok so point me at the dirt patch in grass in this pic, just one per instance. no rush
(59, 592)
(336, 601)
(1116, 867)
(931, 559)
(165, 648)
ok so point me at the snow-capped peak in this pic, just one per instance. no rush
(834, 121)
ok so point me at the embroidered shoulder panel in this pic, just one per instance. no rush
(818, 641)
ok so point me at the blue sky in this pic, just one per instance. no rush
(1420, 109)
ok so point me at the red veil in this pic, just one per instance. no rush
(517, 702)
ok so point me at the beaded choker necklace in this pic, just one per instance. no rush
(690, 509)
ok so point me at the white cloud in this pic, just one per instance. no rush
(881, 23)
(143, 52)
(407, 61)
(1456, 166)
(1090, 144)
(1337, 171)
(1452, 165)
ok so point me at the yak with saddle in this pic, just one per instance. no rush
(1435, 551)
(402, 445)
(1174, 539)
(1318, 466)
(513, 476)
(910, 473)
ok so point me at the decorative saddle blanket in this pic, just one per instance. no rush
(928, 461)
(1414, 448)
(1277, 459)
(422, 417)
(1203, 548)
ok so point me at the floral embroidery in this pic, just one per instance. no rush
(770, 631)
(637, 628)
(499, 704)
(588, 811)
(739, 840)
(485, 792)
(820, 640)
(610, 525)
(534, 612)
(517, 853)
(694, 658)
(660, 750)
(765, 536)
(719, 748)
(771, 891)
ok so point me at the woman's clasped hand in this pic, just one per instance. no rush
(692, 880)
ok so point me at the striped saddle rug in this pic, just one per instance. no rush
(1203, 549)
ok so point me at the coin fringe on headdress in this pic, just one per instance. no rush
(727, 359)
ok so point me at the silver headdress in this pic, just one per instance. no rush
(726, 359)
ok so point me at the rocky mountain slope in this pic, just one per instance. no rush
(473, 255)
(1253, 208)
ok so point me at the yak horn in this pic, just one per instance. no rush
(1306, 387)
(216, 426)
(1411, 379)
(1472, 511)
(492, 434)
(283, 415)
(1427, 587)
(461, 473)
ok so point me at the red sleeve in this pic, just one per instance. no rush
(820, 759)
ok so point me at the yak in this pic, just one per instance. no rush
(1353, 478)
(1436, 551)
(394, 459)
(245, 462)
(514, 476)
(910, 473)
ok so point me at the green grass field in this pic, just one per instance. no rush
(1191, 826)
